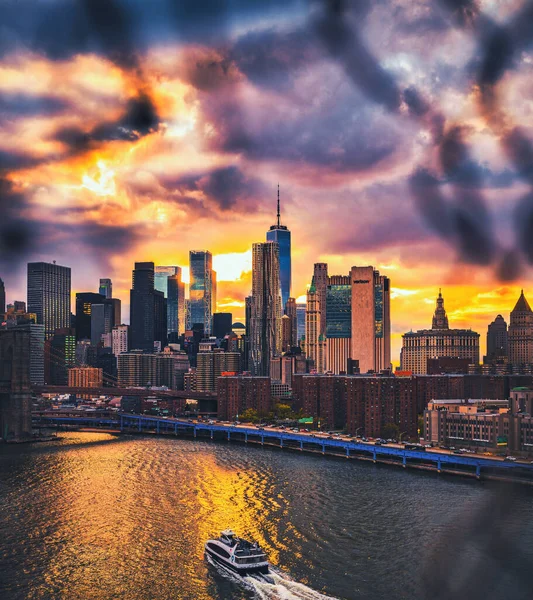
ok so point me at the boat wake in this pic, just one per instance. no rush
(274, 586)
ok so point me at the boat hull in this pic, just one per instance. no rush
(239, 569)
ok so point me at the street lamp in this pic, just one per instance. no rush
(403, 433)
(358, 429)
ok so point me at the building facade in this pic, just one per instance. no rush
(497, 340)
(265, 325)
(2, 297)
(49, 295)
(439, 341)
(139, 369)
(202, 289)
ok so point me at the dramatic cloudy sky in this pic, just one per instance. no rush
(398, 131)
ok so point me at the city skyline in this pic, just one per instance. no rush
(226, 116)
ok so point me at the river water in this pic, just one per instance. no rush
(98, 516)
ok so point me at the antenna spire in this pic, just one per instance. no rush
(278, 208)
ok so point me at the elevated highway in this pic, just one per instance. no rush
(439, 461)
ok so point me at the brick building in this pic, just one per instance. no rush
(237, 393)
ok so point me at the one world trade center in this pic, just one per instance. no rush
(281, 234)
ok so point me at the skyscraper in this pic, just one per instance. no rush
(120, 339)
(202, 288)
(49, 295)
(521, 333)
(148, 319)
(2, 297)
(176, 303)
(315, 317)
(370, 319)
(280, 233)
(497, 340)
(265, 307)
(300, 318)
(106, 288)
(290, 311)
(101, 321)
(338, 324)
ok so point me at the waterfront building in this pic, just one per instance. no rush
(106, 288)
(202, 289)
(521, 333)
(282, 236)
(237, 393)
(2, 297)
(265, 307)
(222, 324)
(497, 340)
(120, 339)
(498, 425)
(439, 341)
(49, 295)
(85, 377)
(84, 302)
(148, 310)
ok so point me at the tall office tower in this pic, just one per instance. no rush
(116, 311)
(438, 342)
(49, 295)
(120, 339)
(2, 298)
(148, 319)
(521, 333)
(300, 318)
(265, 307)
(202, 288)
(370, 319)
(280, 233)
(338, 323)
(84, 302)
(290, 311)
(106, 288)
(315, 318)
(497, 340)
(101, 321)
(161, 275)
(176, 303)
(222, 324)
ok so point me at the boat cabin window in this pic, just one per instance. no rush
(219, 551)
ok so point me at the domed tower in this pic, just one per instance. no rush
(521, 333)
(440, 318)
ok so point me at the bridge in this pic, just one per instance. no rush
(207, 401)
(493, 468)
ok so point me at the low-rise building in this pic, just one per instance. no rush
(236, 393)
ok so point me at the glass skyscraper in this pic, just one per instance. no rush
(279, 233)
(202, 289)
(106, 288)
(168, 281)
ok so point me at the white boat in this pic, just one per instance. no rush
(236, 554)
